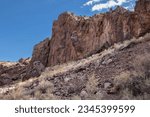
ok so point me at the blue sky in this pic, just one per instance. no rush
(24, 23)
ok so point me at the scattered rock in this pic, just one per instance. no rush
(100, 94)
(66, 79)
(112, 90)
(107, 85)
(106, 62)
(83, 94)
(38, 66)
(24, 61)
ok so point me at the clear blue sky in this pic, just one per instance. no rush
(24, 23)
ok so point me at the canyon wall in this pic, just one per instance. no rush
(76, 37)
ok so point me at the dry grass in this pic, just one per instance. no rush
(135, 84)
(142, 65)
(91, 88)
(122, 78)
(44, 91)
(91, 85)
(32, 90)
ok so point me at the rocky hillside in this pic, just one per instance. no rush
(105, 56)
(120, 72)
(11, 72)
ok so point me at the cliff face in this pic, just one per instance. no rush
(41, 52)
(142, 6)
(76, 37)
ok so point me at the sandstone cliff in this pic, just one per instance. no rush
(76, 37)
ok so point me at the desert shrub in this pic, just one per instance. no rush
(91, 85)
(135, 84)
(142, 65)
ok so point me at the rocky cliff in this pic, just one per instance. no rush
(76, 37)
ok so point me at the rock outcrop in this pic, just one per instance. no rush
(11, 72)
(142, 6)
(76, 37)
(41, 52)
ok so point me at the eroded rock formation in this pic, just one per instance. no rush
(11, 72)
(76, 37)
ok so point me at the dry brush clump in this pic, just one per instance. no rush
(31, 90)
(135, 84)
(142, 65)
(91, 89)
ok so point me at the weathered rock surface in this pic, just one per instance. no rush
(142, 6)
(41, 52)
(76, 37)
(11, 72)
(25, 61)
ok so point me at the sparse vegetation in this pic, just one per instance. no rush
(33, 89)
(91, 87)
(135, 84)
